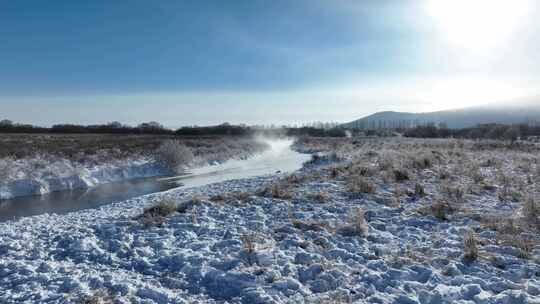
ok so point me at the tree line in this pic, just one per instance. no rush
(483, 131)
(225, 129)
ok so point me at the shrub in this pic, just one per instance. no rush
(470, 246)
(174, 156)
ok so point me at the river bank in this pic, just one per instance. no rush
(53, 166)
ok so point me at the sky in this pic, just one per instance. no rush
(260, 61)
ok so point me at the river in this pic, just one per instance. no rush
(280, 158)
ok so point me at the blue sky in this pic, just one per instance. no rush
(204, 62)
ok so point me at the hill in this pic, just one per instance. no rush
(511, 112)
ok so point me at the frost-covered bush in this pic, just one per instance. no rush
(174, 155)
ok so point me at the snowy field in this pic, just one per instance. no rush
(378, 222)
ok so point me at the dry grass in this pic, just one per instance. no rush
(475, 174)
(249, 245)
(530, 210)
(100, 148)
(503, 225)
(276, 190)
(440, 209)
(357, 225)
(320, 197)
(310, 225)
(401, 175)
(525, 246)
(465, 170)
(157, 214)
(188, 204)
(99, 297)
(454, 194)
(419, 190)
(423, 162)
(470, 246)
(360, 185)
(241, 196)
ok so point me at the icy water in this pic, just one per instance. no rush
(279, 159)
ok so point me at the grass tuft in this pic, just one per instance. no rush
(360, 185)
(470, 246)
(157, 214)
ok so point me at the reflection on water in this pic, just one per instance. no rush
(278, 159)
(67, 201)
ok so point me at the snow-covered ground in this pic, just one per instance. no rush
(258, 248)
(297, 243)
(37, 176)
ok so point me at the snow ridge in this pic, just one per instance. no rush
(39, 176)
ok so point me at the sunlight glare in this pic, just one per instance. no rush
(478, 24)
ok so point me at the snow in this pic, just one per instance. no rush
(39, 176)
(406, 258)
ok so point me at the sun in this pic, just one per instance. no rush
(478, 24)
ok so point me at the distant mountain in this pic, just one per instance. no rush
(512, 112)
